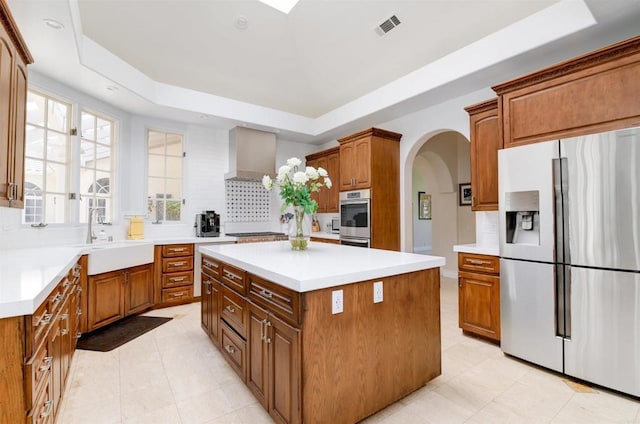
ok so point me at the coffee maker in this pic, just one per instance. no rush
(207, 224)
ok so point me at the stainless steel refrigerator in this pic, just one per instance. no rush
(570, 256)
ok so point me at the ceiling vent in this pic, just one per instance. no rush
(388, 25)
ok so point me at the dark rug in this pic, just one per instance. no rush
(120, 332)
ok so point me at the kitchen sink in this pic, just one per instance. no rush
(112, 256)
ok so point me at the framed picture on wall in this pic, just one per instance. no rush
(464, 194)
(424, 205)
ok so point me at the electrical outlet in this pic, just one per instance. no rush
(337, 302)
(377, 292)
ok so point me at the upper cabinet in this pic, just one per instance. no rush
(592, 93)
(14, 58)
(355, 170)
(486, 140)
(327, 199)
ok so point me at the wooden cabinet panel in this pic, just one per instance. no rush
(355, 164)
(285, 373)
(177, 295)
(173, 250)
(234, 278)
(478, 263)
(174, 274)
(257, 355)
(486, 140)
(210, 308)
(325, 240)
(17, 154)
(479, 304)
(212, 267)
(278, 299)
(177, 279)
(328, 199)
(233, 310)
(139, 290)
(233, 349)
(105, 299)
(177, 264)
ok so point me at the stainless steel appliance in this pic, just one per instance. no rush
(355, 217)
(207, 224)
(570, 256)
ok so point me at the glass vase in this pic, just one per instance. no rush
(299, 241)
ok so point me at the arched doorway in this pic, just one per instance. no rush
(441, 163)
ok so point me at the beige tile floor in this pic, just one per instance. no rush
(174, 375)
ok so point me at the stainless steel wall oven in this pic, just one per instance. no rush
(355, 217)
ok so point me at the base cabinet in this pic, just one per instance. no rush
(117, 294)
(210, 309)
(479, 295)
(173, 274)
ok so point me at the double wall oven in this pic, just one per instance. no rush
(355, 218)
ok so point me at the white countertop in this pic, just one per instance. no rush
(330, 236)
(28, 276)
(474, 248)
(322, 265)
(195, 240)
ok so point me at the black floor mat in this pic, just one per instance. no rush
(120, 332)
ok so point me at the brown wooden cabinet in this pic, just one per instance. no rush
(36, 355)
(117, 294)
(173, 265)
(325, 240)
(479, 294)
(486, 140)
(371, 159)
(327, 199)
(210, 300)
(14, 58)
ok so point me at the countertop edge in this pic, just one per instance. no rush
(479, 250)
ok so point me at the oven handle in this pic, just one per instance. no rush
(355, 242)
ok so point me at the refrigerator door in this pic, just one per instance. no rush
(526, 185)
(605, 329)
(528, 312)
(604, 199)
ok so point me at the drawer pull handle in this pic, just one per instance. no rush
(47, 412)
(78, 312)
(57, 298)
(231, 275)
(230, 349)
(178, 279)
(230, 308)
(64, 332)
(46, 366)
(46, 319)
(76, 273)
(210, 264)
(177, 294)
(79, 289)
(266, 293)
(178, 249)
(66, 284)
(181, 263)
(478, 262)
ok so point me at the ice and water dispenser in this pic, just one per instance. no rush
(522, 209)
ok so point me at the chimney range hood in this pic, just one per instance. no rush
(252, 154)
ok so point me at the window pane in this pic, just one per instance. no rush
(156, 187)
(104, 131)
(56, 177)
(87, 126)
(103, 157)
(57, 147)
(102, 185)
(156, 142)
(55, 209)
(35, 109)
(35, 145)
(57, 116)
(87, 153)
(87, 177)
(156, 166)
(174, 145)
(33, 172)
(174, 167)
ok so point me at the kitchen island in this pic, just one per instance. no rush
(331, 334)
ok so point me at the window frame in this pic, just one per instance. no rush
(182, 201)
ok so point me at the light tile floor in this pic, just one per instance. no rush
(174, 375)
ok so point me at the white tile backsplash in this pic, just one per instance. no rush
(487, 223)
(247, 201)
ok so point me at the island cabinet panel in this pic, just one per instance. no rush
(282, 301)
(592, 93)
(399, 338)
(234, 278)
(234, 350)
(210, 306)
(233, 310)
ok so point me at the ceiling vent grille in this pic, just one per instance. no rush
(388, 25)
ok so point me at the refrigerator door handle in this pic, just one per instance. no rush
(561, 197)
(567, 302)
(560, 301)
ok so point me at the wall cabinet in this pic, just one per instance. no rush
(371, 159)
(14, 58)
(36, 355)
(117, 294)
(327, 199)
(486, 140)
(173, 265)
(479, 295)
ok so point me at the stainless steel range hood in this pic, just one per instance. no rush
(252, 154)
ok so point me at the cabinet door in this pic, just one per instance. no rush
(347, 164)
(362, 164)
(66, 335)
(479, 304)
(210, 310)
(105, 299)
(55, 350)
(333, 194)
(139, 289)
(315, 196)
(284, 371)
(6, 75)
(17, 153)
(486, 140)
(257, 355)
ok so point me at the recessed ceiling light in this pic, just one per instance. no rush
(242, 22)
(112, 88)
(52, 23)
(283, 6)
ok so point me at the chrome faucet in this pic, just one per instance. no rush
(90, 236)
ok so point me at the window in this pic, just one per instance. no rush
(164, 188)
(96, 166)
(46, 160)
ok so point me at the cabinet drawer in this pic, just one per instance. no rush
(234, 311)
(177, 294)
(177, 264)
(478, 263)
(234, 278)
(41, 410)
(177, 279)
(211, 267)
(233, 349)
(36, 373)
(177, 250)
(283, 302)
